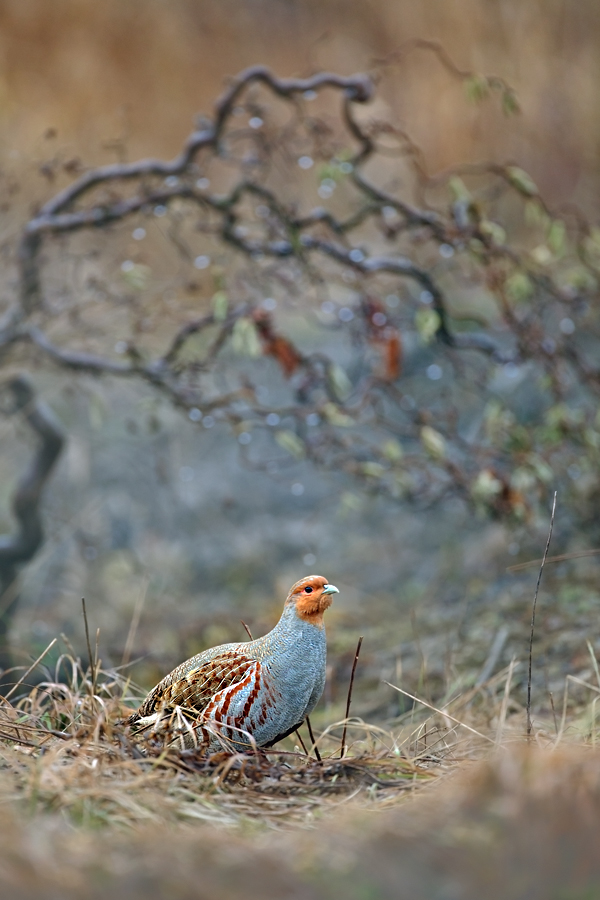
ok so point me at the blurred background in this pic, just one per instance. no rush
(141, 70)
(157, 520)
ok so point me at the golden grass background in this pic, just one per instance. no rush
(140, 70)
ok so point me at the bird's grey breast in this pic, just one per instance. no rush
(299, 670)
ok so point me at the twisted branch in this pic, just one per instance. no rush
(307, 238)
(19, 548)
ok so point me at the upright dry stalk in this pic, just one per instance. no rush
(92, 658)
(312, 740)
(537, 587)
(349, 698)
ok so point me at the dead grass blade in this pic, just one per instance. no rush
(91, 658)
(135, 621)
(504, 704)
(29, 670)
(563, 557)
(440, 712)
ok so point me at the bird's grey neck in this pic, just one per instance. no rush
(303, 650)
(290, 620)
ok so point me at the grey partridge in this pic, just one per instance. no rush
(246, 694)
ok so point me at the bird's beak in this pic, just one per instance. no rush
(330, 589)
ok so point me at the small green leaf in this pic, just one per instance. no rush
(392, 450)
(536, 215)
(245, 339)
(459, 190)
(372, 469)
(427, 322)
(565, 417)
(542, 255)
(523, 182)
(519, 287)
(339, 382)
(136, 276)
(541, 468)
(330, 170)
(477, 88)
(510, 103)
(522, 480)
(557, 237)
(335, 416)
(494, 231)
(433, 442)
(581, 279)
(350, 502)
(592, 244)
(498, 422)
(218, 274)
(592, 438)
(220, 305)
(486, 486)
(290, 442)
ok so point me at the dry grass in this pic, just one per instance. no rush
(63, 747)
(461, 795)
(66, 749)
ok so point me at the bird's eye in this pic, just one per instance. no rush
(308, 590)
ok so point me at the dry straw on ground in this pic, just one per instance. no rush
(86, 809)
(63, 747)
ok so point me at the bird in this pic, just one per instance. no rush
(241, 696)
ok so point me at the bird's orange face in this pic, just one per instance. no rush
(311, 597)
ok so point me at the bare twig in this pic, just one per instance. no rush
(302, 744)
(349, 698)
(494, 82)
(312, 740)
(248, 632)
(91, 657)
(537, 587)
(20, 547)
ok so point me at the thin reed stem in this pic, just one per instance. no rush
(349, 698)
(312, 740)
(537, 588)
(302, 744)
(89, 650)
